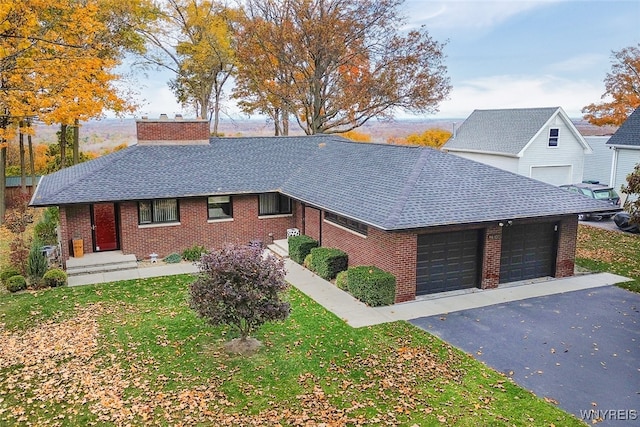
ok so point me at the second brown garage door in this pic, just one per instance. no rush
(528, 252)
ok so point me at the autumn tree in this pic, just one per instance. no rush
(632, 190)
(357, 136)
(434, 138)
(240, 287)
(335, 64)
(194, 41)
(57, 60)
(622, 86)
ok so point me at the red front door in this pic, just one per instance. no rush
(105, 234)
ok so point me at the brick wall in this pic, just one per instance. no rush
(394, 252)
(168, 131)
(566, 255)
(491, 257)
(194, 229)
(77, 219)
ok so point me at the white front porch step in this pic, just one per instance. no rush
(278, 250)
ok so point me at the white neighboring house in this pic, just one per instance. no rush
(597, 167)
(626, 150)
(539, 143)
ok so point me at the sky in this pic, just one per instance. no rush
(499, 54)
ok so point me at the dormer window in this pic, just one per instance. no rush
(553, 137)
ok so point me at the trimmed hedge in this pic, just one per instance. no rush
(371, 285)
(300, 247)
(16, 283)
(7, 273)
(54, 278)
(328, 262)
(341, 281)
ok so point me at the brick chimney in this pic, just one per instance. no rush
(178, 131)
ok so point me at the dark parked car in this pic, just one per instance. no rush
(597, 191)
(622, 221)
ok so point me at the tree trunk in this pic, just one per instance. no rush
(285, 123)
(32, 160)
(63, 146)
(216, 113)
(76, 142)
(3, 174)
(23, 167)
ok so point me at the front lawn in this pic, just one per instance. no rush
(610, 251)
(133, 353)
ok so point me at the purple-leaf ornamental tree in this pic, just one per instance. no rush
(238, 286)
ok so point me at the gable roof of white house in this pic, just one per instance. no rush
(507, 132)
(386, 186)
(628, 134)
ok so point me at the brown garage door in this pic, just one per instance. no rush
(528, 252)
(447, 261)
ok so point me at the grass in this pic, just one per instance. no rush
(134, 353)
(610, 251)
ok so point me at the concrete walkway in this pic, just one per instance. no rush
(358, 314)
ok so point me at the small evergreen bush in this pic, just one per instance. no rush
(37, 263)
(172, 258)
(54, 278)
(327, 262)
(8, 272)
(371, 285)
(193, 253)
(341, 281)
(300, 247)
(16, 283)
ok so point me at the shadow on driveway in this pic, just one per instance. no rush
(581, 348)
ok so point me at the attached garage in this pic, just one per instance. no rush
(448, 261)
(554, 175)
(528, 251)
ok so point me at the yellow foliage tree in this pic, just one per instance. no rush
(357, 136)
(435, 138)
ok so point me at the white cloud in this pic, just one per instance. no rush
(509, 91)
(580, 63)
(467, 15)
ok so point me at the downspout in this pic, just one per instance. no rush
(614, 166)
(320, 227)
(303, 217)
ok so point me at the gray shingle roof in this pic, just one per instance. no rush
(500, 131)
(386, 186)
(629, 132)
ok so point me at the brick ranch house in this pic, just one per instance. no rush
(438, 222)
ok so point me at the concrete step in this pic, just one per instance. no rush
(100, 263)
(278, 250)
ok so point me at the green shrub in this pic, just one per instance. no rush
(327, 262)
(16, 283)
(8, 272)
(37, 263)
(372, 285)
(54, 278)
(193, 253)
(341, 281)
(172, 258)
(300, 247)
(45, 230)
(307, 262)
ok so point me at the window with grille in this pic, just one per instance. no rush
(553, 137)
(274, 204)
(219, 207)
(158, 211)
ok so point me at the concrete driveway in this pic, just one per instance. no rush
(581, 348)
